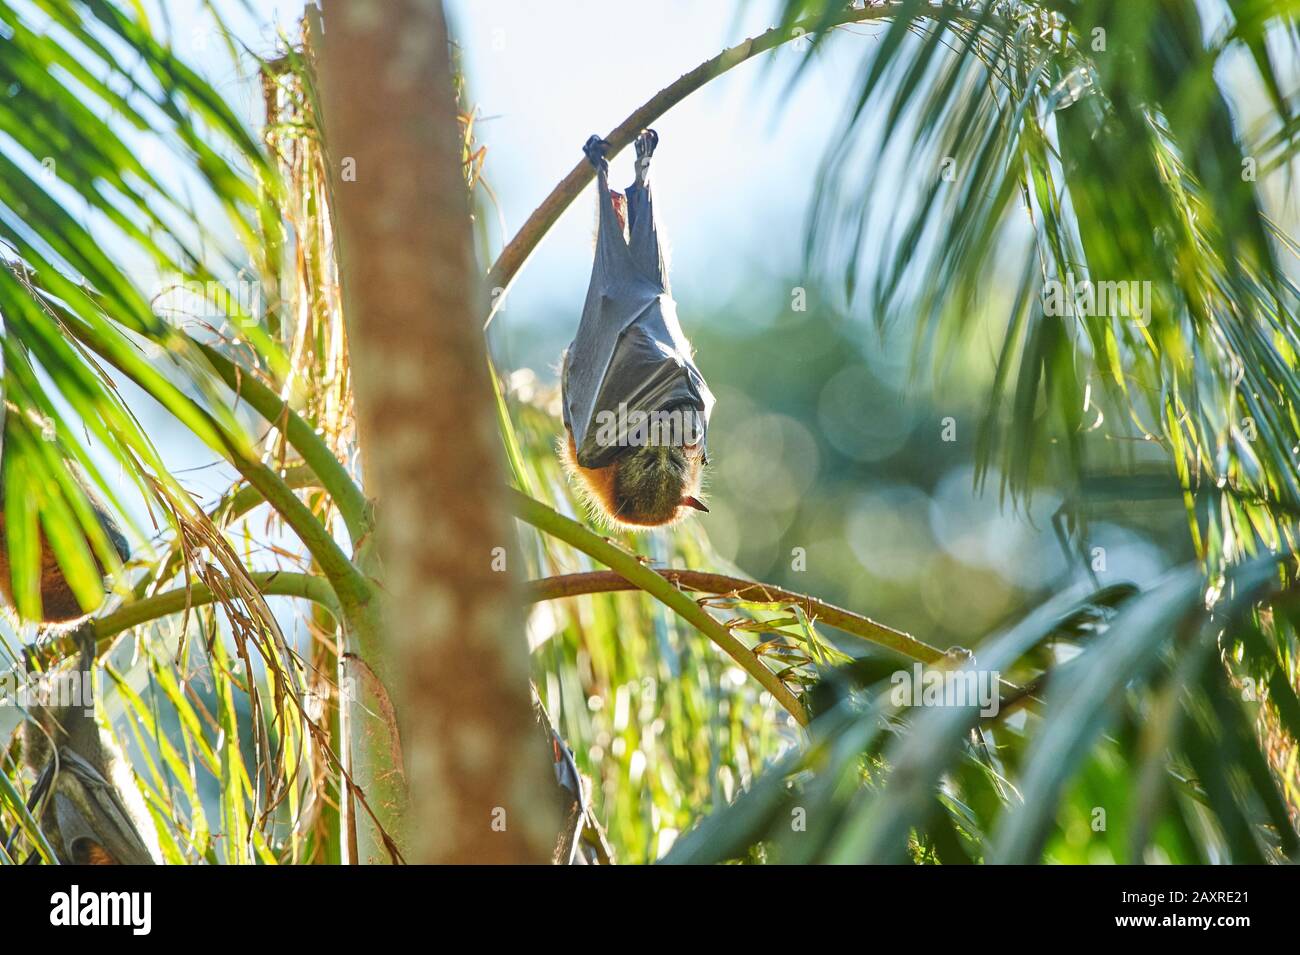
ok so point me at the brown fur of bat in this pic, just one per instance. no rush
(619, 202)
(59, 603)
(650, 486)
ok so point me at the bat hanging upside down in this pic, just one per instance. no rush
(636, 408)
(87, 810)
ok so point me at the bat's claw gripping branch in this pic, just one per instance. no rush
(596, 149)
(645, 148)
(646, 143)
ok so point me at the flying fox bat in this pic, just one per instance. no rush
(83, 814)
(636, 408)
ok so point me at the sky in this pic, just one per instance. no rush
(736, 159)
(733, 172)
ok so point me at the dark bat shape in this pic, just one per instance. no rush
(82, 814)
(635, 405)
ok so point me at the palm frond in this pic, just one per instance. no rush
(1139, 741)
(1087, 142)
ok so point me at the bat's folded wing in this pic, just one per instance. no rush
(643, 369)
(630, 357)
(91, 824)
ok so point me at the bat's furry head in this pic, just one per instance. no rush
(649, 486)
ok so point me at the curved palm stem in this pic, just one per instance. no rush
(628, 567)
(347, 496)
(350, 585)
(229, 510)
(274, 583)
(517, 250)
(604, 581)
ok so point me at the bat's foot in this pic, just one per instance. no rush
(645, 148)
(646, 143)
(596, 149)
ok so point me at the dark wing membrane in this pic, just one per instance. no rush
(93, 826)
(651, 370)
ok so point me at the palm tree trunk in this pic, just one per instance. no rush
(449, 647)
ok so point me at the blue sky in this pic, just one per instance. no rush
(736, 163)
(734, 169)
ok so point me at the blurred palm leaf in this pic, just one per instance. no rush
(1141, 741)
(1058, 142)
(1104, 141)
(90, 101)
(124, 177)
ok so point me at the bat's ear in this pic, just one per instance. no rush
(694, 502)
